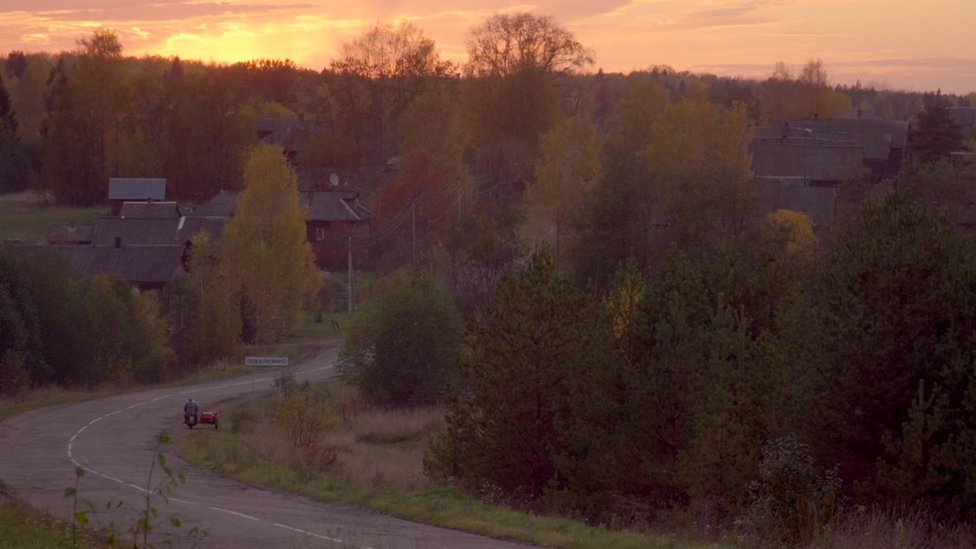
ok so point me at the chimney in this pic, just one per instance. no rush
(118, 242)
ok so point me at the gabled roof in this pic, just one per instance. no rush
(136, 188)
(69, 234)
(149, 210)
(213, 226)
(135, 232)
(222, 204)
(136, 264)
(339, 205)
(877, 137)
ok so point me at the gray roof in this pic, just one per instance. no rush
(339, 205)
(786, 194)
(135, 232)
(137, 264)
(222, 204)
(213, 226)
(877, 137)
(963, 116)
(806, 157)
(136, 188)
(69, 234)
(149, 210)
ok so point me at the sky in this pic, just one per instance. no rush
(892, 44)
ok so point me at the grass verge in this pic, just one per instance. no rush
(22, 527)
(253, 455)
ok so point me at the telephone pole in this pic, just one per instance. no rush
(349, 251)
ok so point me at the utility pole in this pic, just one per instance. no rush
(349, 250)
(413, 232)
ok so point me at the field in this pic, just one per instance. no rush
(25, 218)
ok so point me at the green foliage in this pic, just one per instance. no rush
(793, 500)
(898, 290)
(22, 360)
(522, 372)
(203, 308)
(265, 249)
(404, 343)
(91, 330)
(935, 134)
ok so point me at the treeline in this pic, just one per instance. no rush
(767, 380)
(70, 121)
(60, 329)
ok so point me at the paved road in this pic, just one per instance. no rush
(113, 439)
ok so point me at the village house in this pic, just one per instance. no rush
(123, 189)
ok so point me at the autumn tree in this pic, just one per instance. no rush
(700, 163)
(809, 95)
(392, 65)
(567, 170)
(83, 112)
(203, 308)
(513, 86)
(265, 246)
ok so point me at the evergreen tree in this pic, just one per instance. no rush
(935, 134)
(522, 371)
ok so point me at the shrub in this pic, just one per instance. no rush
(793, 498)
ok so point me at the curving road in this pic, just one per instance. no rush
(112, 438)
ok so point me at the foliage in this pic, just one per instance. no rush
(898, 289)
(567, 170)
(809, 96)
(793, 500)
(202, 308)
(265, 247)
(522, 371)
(512, 90)
(482, 248)
(935, 134)
(403, 345)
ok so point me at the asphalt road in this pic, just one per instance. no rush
(113, 439)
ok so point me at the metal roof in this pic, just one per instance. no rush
(137, 264)
(69, 234)
(135, 231)
(136, 188)
(149, 210)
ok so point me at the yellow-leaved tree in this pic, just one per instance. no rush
(699, 162)
(265, 248)
(568, 168)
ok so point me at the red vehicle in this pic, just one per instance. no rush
(211, 417)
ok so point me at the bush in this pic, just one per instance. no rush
(793, 500)
(401, 351)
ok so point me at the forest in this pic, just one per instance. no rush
(587, 283)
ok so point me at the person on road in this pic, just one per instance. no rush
(190, 408)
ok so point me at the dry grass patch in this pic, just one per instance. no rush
(385, 448)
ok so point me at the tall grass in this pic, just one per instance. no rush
(879, 529)
(373, 458)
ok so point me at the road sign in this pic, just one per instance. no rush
(266, 361)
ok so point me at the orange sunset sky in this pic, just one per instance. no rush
(897, 44)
